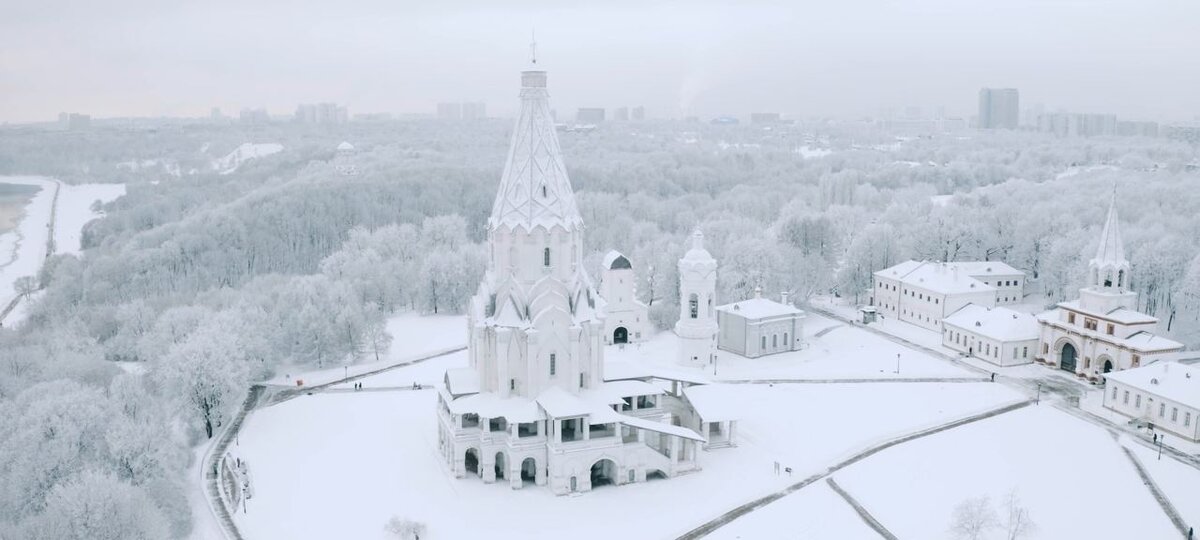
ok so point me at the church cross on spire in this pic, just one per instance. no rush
(533, 46)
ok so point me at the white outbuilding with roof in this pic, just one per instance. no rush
(1165, 394)
(627, 319)
(923, 293)
(758, 327)
(998, 335)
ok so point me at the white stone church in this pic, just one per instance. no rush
(534, 406)
(1102, 331)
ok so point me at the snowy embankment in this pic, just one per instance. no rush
(1070, 475)
(246, 152)
(23, 250)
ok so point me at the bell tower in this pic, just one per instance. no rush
(697, 325)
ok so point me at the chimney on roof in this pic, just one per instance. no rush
(783, 298)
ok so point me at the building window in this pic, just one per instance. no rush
(1137, 360)
(1024, 352)
(774, 341)
(764, 343)
(785, 341)
(546, 257)
(553, 364)
(1087, 362)
(1070, 318)
(1089, 324)
(1174, 414)
(1045, 348)
(1014, 353)
(694, 306)
(1115, 395)
(543, 191)
(1125, 397)
(1162, 410)
(512, 384)
(1187, 419)
(1110, 329)
(581, 380)
(1137, 401)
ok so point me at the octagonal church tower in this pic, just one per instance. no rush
(536, 321)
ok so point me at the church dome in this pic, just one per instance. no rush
(698, 253)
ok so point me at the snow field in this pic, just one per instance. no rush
(340, 464)
(813, 512)
(842, 352)
(74, 211)
(1072, 476)
(413, 336)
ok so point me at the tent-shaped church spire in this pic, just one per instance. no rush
(534, 189)
(1111, 249)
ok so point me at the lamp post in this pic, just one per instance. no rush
(897, 363)
(1039, 394)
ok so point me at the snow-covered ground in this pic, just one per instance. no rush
(813, 512)
(23, 249)
(244, 153)
(75, 210)
(340, 464)
(1179, 482)
(841, 351)
(1072, 477)
(413, 336)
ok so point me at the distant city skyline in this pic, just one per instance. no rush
(137, 58)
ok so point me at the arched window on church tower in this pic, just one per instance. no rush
(546, 257)
(1108, 278)
(1120, 278)
(710, 313)
(694, 305)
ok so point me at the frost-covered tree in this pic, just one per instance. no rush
(207, 374)
(972, 518)
(98, 506)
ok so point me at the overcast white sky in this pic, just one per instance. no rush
(1137, 59)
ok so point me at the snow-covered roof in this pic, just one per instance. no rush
(615, 370)
(534, 188)
(714, 402)
(461, 381)
(1119, 315)
(937, 277)
(1170, 380)
(759, 308)
(345, 146)
(660, 427)
(616, 391)
(1145, 341)
(998, 323)
(1111, 249)
(614, 260)
(559, 403)
(979, 269)
(491, 405)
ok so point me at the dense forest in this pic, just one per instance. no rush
(196, 283)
